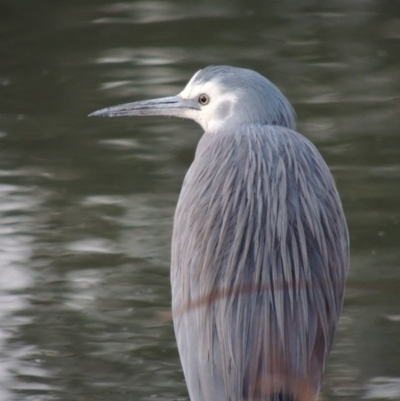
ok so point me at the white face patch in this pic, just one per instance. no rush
(220, 107)
(187, 91)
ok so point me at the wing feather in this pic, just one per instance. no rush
(259, 261)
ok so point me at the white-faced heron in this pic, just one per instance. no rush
(260, 246)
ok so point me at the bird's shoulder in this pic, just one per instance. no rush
(248, 144)
(274, 136)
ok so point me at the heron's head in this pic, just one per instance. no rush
(218, 98)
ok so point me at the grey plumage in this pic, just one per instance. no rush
(259, 213)
(260, 244)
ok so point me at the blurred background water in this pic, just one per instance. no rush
(86, 205)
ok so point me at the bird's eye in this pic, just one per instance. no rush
(203, 99)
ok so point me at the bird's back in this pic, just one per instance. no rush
(259, 259)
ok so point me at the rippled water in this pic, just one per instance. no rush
(86, 205)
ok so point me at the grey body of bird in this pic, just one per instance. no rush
(260, 244)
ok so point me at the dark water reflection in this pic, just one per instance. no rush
(86, 205)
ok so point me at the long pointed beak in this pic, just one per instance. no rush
(166, 106)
